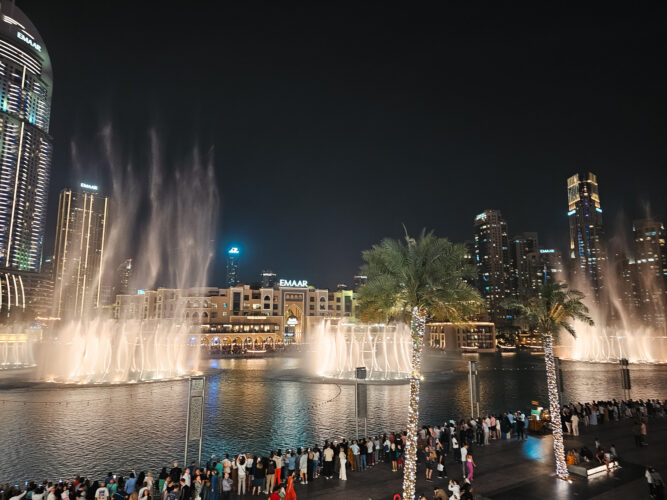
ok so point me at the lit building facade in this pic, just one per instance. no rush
(268, 279)
(550, 267)
(79, 251)
(233, 255)
(587, 251)
(241, 315)
(494, 263)
(525, 256)
(651, 265)
(473, 337)
(26, 148)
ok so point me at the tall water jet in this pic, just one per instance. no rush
(340, 348)
(629, 323)
(165, 217)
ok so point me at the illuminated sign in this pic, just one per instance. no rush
(292, 321)
(572, 212)
(598, 209)
(141, 292)
(29, 41)
(92, 187)
(547, 250)
(234, 251)
(480, 216)
(294, 283)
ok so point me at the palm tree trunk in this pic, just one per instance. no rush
(554, 407)
(417, 328)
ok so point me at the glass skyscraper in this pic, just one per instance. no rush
(494, 263)
(26, 148)
(79, 251)
(587, 251)
(233, 266)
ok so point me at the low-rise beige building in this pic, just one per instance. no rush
(476, 336)
(241, 315)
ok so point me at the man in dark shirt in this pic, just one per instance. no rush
(175, 473)
(185, 491)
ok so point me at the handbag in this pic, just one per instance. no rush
(441, 467)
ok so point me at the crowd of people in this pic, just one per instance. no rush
(279, 472)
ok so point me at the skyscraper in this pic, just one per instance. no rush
(123, 279)
(494, 262)
(26, 148)
(649, 236)
(587, 252)
(269, 279)
(525, 262)
(233, 266)
(79, 251)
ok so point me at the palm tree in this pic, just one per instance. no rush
(413, 281)
(549, 311)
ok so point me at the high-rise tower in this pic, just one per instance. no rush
(649, 236)
(587, 252)
(494, 262)
(26, 148)
(79, 251)
(233, 255)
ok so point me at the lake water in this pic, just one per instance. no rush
(255, 405)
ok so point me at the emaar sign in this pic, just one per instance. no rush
(29, 41)
(294, 283)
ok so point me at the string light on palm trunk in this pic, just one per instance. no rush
(554, 408)
(417, 327)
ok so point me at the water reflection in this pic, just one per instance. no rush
(257, 405)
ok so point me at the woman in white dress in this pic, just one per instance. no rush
(343, 459)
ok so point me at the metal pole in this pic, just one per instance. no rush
(187, 423)
(356, 408)
(201, 431)
(472, 405)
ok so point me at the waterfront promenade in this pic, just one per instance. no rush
(512, 469)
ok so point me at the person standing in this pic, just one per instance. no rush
(470, 468)
(328, 462)
(174, 473)
(270, 475)
(259, 476)
(316, 461)
(290, 494)
(574, 421)
(519, 426)
(644, 433)
(239, 466)
(464, 455)
(303, 467)
(278, 459)
(342, 475)
(227, 485)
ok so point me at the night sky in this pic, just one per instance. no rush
(333, 124)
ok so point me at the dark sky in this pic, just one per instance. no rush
(335, 123)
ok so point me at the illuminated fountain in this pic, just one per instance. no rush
(111, 351)
(626, 335)
(17, 349)
(385, 350)
(166, 217)
(608, 344)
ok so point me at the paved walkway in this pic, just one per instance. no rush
(511, 469)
